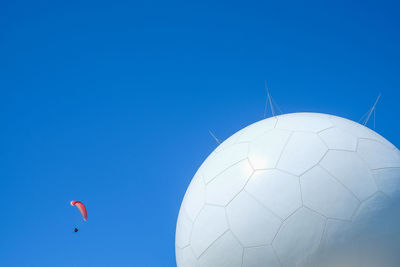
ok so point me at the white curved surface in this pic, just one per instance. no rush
(243, 207)
(300, 189)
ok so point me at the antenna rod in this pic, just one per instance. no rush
(266, 101)
(216, 139)
(372, 110)
(270, 102)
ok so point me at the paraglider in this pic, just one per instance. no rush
(82, 209)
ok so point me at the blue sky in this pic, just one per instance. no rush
(110, 103)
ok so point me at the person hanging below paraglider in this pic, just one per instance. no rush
(82, 209)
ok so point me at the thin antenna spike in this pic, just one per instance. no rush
(272, 107)
(265, 108)
(366, 119)
(216, 139)
(363, 116)
(372, 109)
(276, 104)
(270, 102)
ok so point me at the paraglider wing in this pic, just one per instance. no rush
(81, 208)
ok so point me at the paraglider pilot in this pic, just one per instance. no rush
(82, 209)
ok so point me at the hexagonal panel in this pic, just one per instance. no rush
(304, 122)
(359, 131)
(265, 150)
(186, 258)
(260, 257)
(276, 190)
(354, 128)
(351, 171)
(251, 223)
(335, 138)
(336, 237)
(371, 207)
(380, 138)
(216, 163)
(388, 181)
(195, 197)
(183, 230)
(359, 244)
(305, 227)
(377, 155)
(228, 184)
(382, 215)
(335, 232)
(302, 152)
(322, 193)
(256, 129)
(208, 227)
(224, 252)
(228, 142)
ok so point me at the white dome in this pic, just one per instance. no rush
(300, 189)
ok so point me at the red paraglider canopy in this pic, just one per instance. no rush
(81, 208)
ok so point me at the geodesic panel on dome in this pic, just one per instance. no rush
(228, 142)
(383, 156)
(368, 240)
(355, 129)
(218, 162)
(186, 257)
(229, 183)
(351, 171)
(208, 227)
(302, 152)
(276, 190)
(195, 197)
(256, 129)
(265, 150)
(324, 194)
(335, 237)
(263, 256)
(299, 236)
(303, 122)
(258, 231)
(388, 181)
(377, 211)
(224, 252)
(336, 138)
(182, 238)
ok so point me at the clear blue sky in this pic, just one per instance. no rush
(110, 103)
